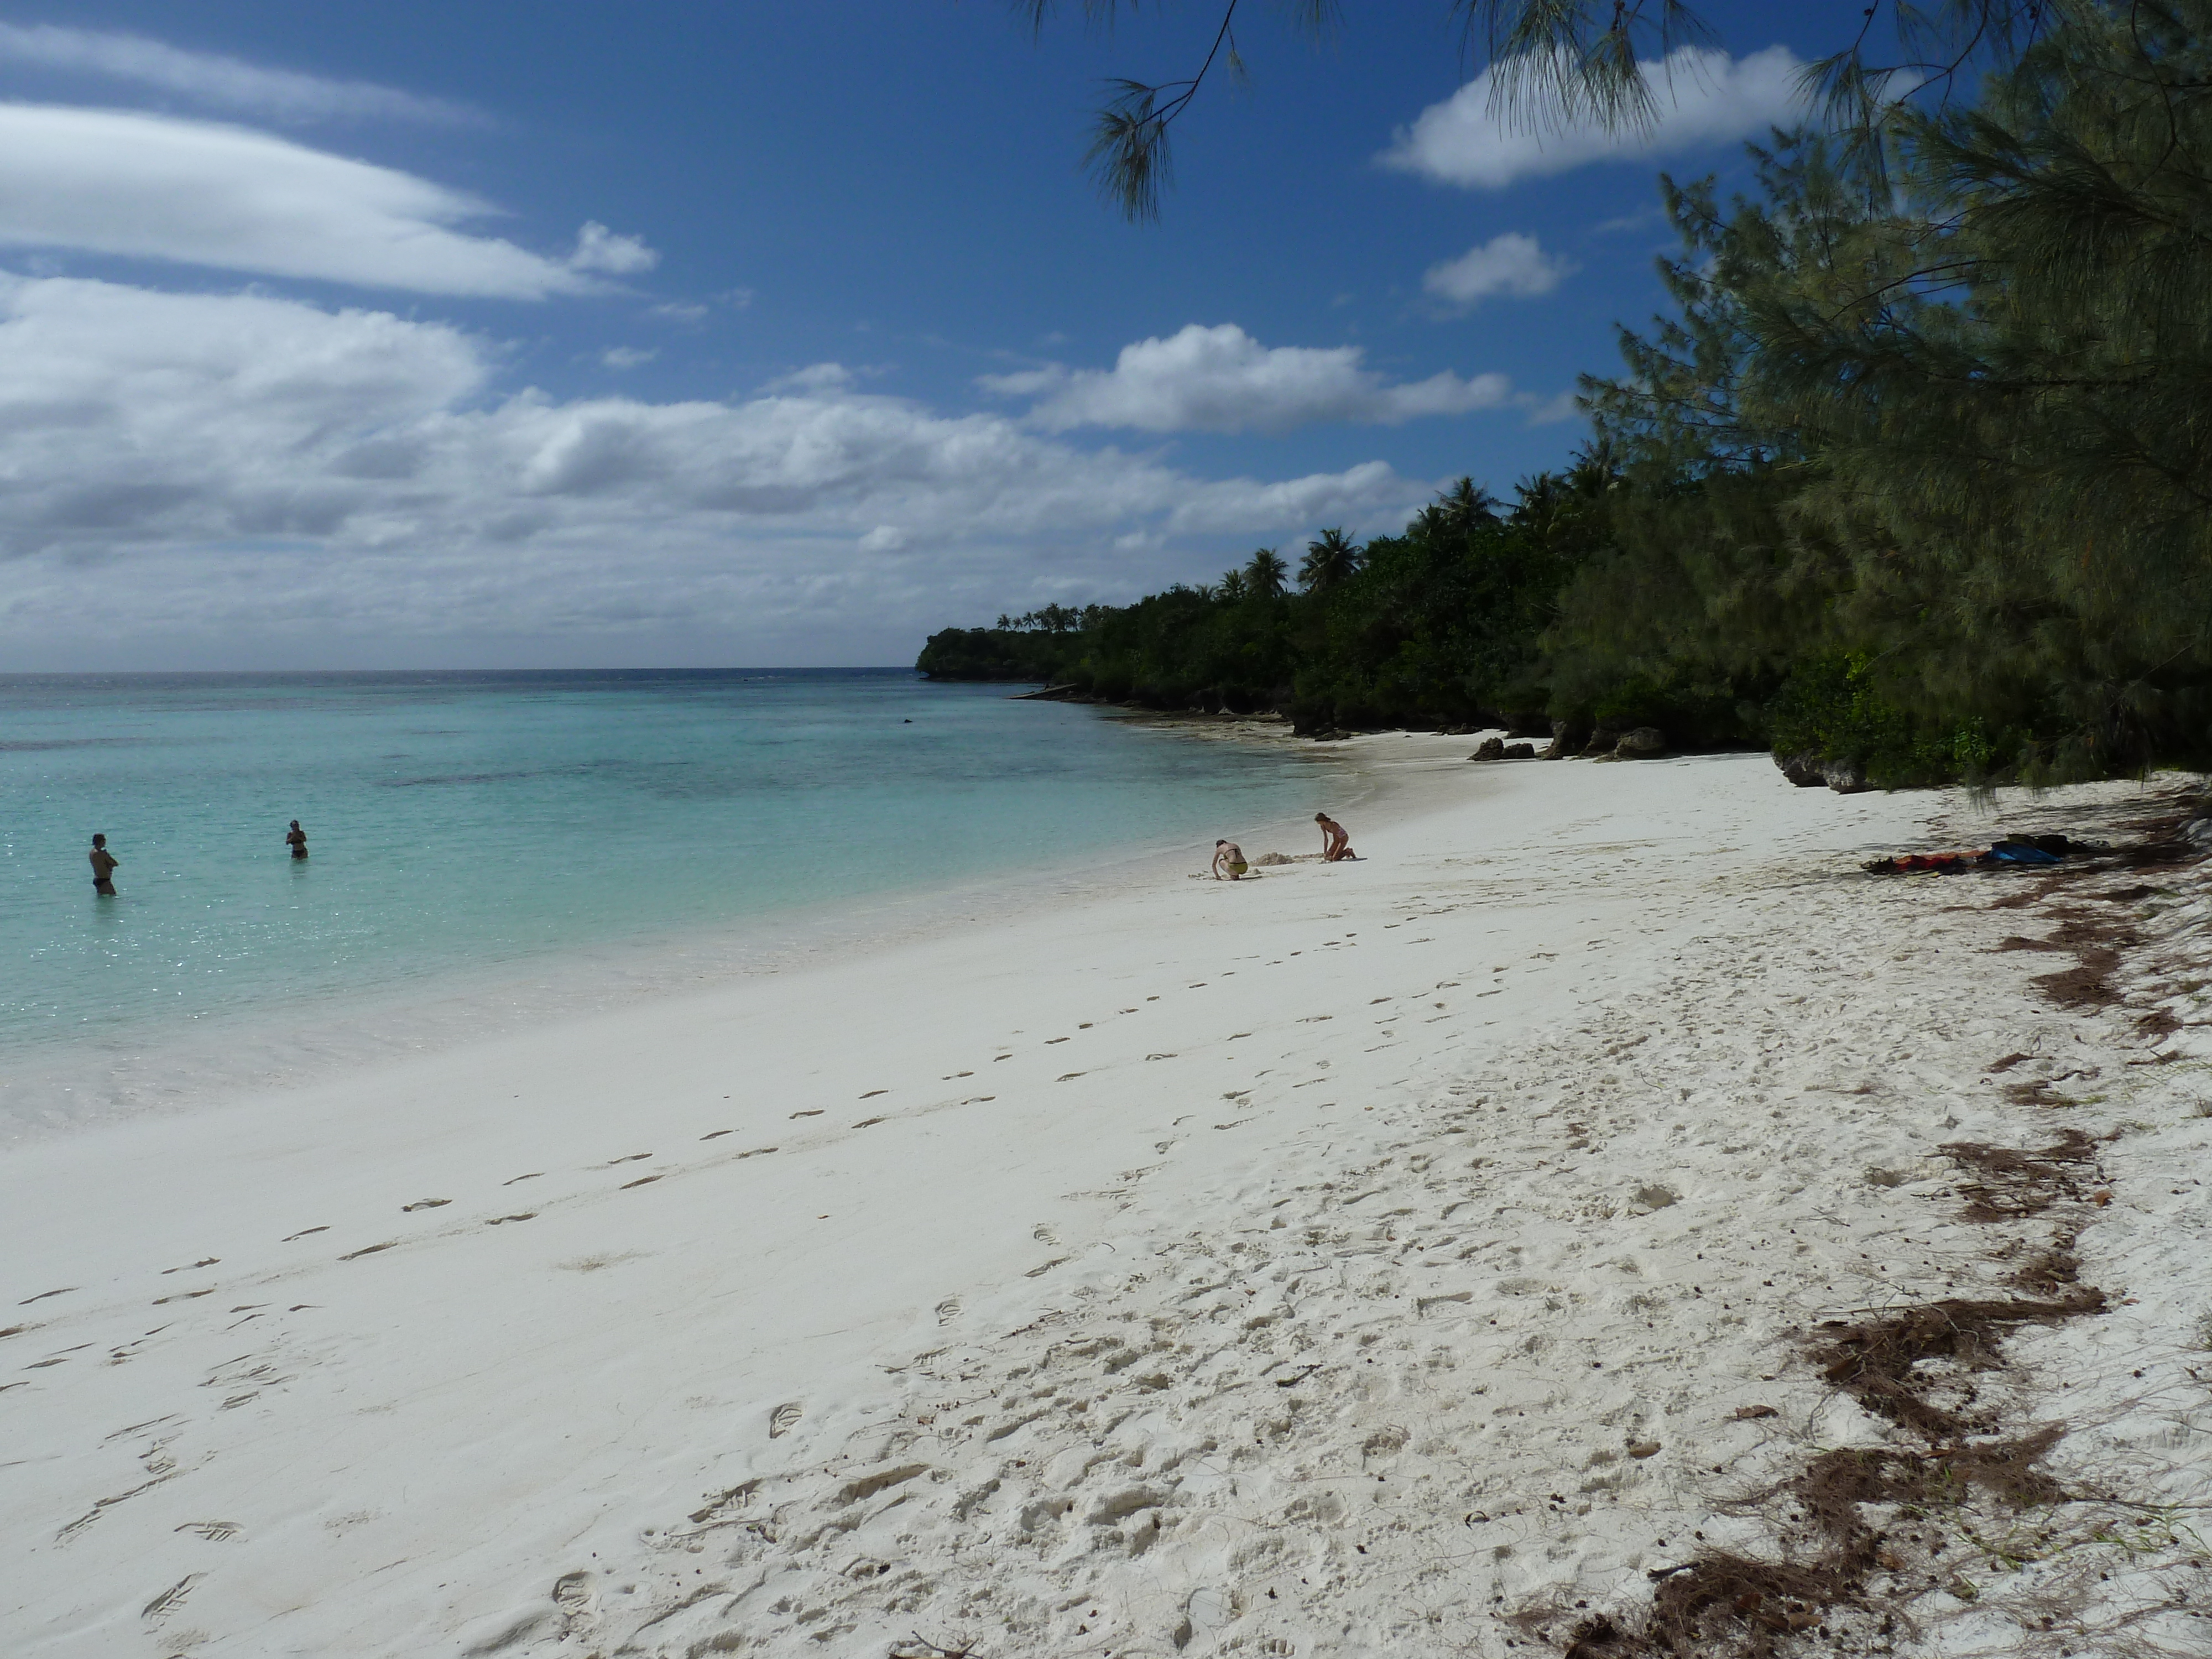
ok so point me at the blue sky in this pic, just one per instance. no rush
(401, 335)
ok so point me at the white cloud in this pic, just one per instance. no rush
(628, 356)
(151, 186)
(1703, 96)
(211, 78)
(270, 468)
(1552, 410)
(1222, 380)
(1511, 264)
(599, 248)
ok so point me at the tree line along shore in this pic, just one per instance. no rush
(1913, 485)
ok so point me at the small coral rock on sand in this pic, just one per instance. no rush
(1519, 752)
(1642, 743)
(1489, 749)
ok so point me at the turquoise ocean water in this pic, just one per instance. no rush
(462, 824)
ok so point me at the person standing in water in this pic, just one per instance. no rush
(1335, 840)
(297, 839)
(1229, 861)
(103, 867)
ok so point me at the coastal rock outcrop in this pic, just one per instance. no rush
(1809, 771)
(1846, 777)
(1519, 752)
(1641, 744)
(1489, 749)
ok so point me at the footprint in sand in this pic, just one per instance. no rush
(948, 1310)
(784, 1418)
(424, 1204)
(502, 1220)
(169, 1599)
(215, 1532)
(572, 1593)
(1044, 1234)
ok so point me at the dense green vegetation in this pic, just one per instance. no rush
(1917, 475)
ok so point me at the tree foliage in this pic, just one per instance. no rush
(1916, 473)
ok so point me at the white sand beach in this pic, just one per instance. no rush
(1420, 1255)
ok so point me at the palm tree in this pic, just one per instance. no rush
(1232, 587)
(1332, 559)
(1267, 574)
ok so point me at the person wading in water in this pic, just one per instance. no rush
(103, 867)
(297, 839)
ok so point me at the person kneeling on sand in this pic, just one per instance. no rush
(1229, 861)
(1336, 841)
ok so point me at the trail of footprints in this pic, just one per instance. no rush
(1187, 1425)
(1206, 1461)
(420, 1204)
(1343, 1370)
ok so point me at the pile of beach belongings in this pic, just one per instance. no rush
(2014, 850)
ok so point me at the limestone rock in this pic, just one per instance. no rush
(1518, 751)
(1846, 777)
(1601, 741)
(1803, 770)
(1641, 744)
(1489, 749)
